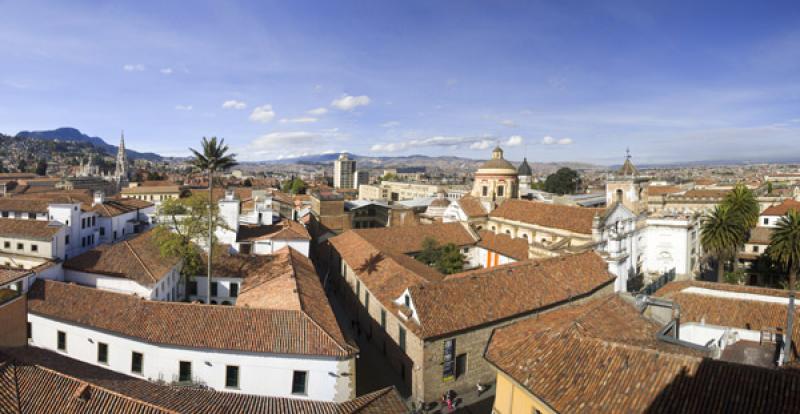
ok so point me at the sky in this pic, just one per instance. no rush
(550, 80)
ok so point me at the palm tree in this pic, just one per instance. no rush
(214, 157)
(721, 234)
(743, 204)
(784, 248)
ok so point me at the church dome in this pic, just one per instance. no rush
(498, 164)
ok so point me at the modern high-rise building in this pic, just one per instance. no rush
(360, 177)
(344, 170)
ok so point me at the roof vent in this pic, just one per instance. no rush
(82, 393)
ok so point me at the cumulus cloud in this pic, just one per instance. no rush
(133, 67)
(435, 141)
(390, 124)
(548, 140)
(233, 104)
(318, 111)
(514, 140)
(348, 102)
(183, 107)
(166, 71)
(262, 114)
(299, 120)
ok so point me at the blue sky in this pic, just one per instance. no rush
(559, 80)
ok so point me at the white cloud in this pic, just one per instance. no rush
(482, 144)
(348, 103)
(318, 111)
(166, 71)
(436, 141)
(234, 104)
(509, 123)
(300, 120)
(183, 107)
(390, 124)
(262, 114)
(131, 67)
(548, 140)
(514, 140)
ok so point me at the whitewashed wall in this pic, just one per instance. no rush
(259, 374)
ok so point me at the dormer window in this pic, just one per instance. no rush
(407, 300)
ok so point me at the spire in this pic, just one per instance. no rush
(121, 170)
(628, 169)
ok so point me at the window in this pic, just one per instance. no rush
(102, 231)
(102, 353)
(115, 234)
(34, 247)
(193, 287)
(83, 223)
(184, 371)
(755, 249)
(366, 301)
(30, 331)
(485, 191)
(234, 290)
(402, 339)
(299, 382)
(214, 287)
(383, 318)
(7, 245)
(136, 362)
(31, 216)
(62, 341)
(5, 214)
(766, 221)
(231, 376)
(94, 220)
(358, 289)
(20, 246)
(461, 365)
(500, 191)
(66, 239)
(407, 300)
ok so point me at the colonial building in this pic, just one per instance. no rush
(496, 180)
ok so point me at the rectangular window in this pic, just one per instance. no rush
(94, 220)
(449, 360)
(83, 223)
(366, 301)
(193, 287)
(358, 290)
(7, 245)
(34, 247)
(184, 371)
(32, 216)
(20, 246)
(231, 376)
(755, 249)
(383, 319)
(299, 382)
(234, 290)
(30, 331)
(136, 362)
(213, 288)
(62, 341)
(102, 231)
(402, 339)
(461, 365)
(102, 353)
(766, 221)
(66, 239)
(5, 214)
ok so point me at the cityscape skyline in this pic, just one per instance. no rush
(563, 82)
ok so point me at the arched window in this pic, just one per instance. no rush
(618, 197)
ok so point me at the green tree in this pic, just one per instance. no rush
(450, 259)
(294, 186)
(388, 177)
(430, 251)
(214, 157)
(41, 167)
(563, 181)
(721, 234)
(784, 248)
(744, 206)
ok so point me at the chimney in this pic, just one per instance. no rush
(99, 198)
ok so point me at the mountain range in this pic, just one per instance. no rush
(73, 134)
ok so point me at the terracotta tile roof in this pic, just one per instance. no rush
(283, 230)
(285, 280)
(137, 258)
(760, 235)
(704, 194)
(113, 207)
(49, 382)
(472, 206)
(484, 296)
(740, 313)
(147, 189)
(25, 206)
(658, 190)
(184, 324)
(28, 229)
(515, 248)
(409, 239)
(782, 209)
(571, 218)
(11, 274)
(601, 356)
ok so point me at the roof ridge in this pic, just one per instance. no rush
(139, 259)
(369, 398)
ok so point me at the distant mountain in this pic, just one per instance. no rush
(72, 134)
